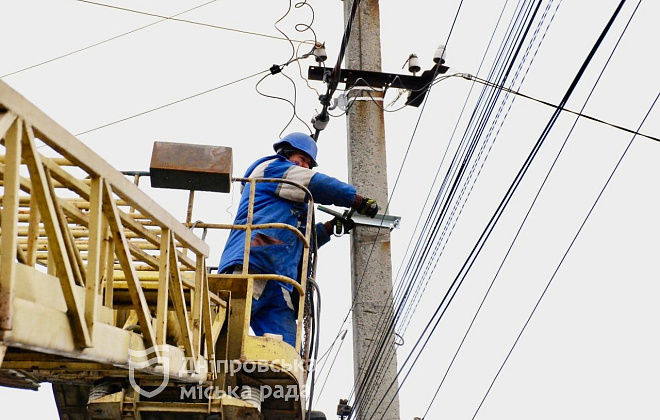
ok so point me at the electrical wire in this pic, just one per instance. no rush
(454, 163)
(170, 103)
(106, 40)
(326, 353)
(333, 82)
(526, 217)
(341, 344)
(570, 246)
(293, 48)
(300, 70)
(342, 334)
(460, 117)
(293, 58)
(208, 25)
(466, 155)
(294, 114)
(438, 250)
(388, 204)
(317, 329)
(486, 233)
(478, 158)
(300, 27)
(376, 100)
(579, 114)
(455, 184)
(315, 317)
(304, 27)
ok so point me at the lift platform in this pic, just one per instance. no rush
(107, 296)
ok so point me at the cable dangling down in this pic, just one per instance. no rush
(323, 118)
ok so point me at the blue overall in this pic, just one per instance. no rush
(279, 251)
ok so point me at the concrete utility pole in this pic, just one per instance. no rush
(371, 262)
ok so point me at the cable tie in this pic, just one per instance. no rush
(275, 69)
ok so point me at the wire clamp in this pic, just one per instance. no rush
(380, 220)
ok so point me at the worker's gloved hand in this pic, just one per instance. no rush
(339, 226)
(342, 225)
(365, 206)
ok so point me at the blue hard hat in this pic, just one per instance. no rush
(301, 142)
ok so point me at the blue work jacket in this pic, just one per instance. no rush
(278, 251)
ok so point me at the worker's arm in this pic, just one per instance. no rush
(323, 236)
(325, 189)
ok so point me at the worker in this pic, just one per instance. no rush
(279, 251)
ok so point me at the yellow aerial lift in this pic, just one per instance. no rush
(108, 297)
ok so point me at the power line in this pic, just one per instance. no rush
(463, 156)
(170, 103)
(570, 246)
(467, 265)
(579, 114)
(208, 25)
(458, 174)
(162, 19)
(467, 332)
(455, 215)
(378, 355)
(277, 69)
(532, 41)
(333, 81)
(105, 41)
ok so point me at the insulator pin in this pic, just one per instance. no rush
(440, 55)
(319, 53)
(413, 64)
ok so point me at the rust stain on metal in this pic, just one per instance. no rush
(191, 167)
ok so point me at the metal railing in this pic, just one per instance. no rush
(68, 215)
(307, 239)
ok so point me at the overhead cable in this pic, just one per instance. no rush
(491, 133)
(463, 155)
(324, 117)
(208, 25)
(579, 114)
(384, 331)
(570, 246)
(467, 265)
(550, 170)
(171, 103)
(277, 69)
(106, 40)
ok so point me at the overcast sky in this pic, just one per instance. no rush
(589, 351)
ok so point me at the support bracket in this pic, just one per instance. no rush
(417, 85)
(380, 220)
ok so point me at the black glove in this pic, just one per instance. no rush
(365, 206)
(339, 226)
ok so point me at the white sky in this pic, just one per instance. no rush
(590, 351)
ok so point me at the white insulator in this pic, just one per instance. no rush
(440, 55)
(413, 64)
(251, 395)
(319, 53)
